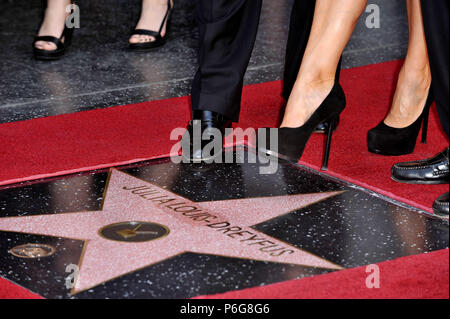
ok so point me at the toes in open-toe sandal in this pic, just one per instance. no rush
(159, 40)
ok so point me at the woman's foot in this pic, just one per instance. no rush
(152, 15)
(397, 134)
(305, 99)
(291, 142)
(410, 96)
(53, 24)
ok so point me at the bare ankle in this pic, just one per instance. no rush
(313, 79)
(58, 6)
(418, 77)
(313, 85)
(306, 97)
(410, 96)
(151, 3)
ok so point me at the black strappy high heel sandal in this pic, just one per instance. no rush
(291, 142)
(159, 40)
(62, 43)
(390, 141)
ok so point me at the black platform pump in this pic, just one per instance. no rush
(159, 40)
(291, 142)
(390, 141)
(62, 43)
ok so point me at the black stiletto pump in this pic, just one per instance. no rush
(390, 141)
(323, 127)
(62, 43)
(159, 40)
(291, 142)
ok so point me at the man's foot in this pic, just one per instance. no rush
(209, 125)
(53, 24)
(441, 206)
(152, 15)
(410, 97)
(434, 170)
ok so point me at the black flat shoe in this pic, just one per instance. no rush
(390, 141)
(434, 170)
(441, 206)
(204, 123)
(291, 142)
(62, 43)
(159, 40)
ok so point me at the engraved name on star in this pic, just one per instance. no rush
(222, 228)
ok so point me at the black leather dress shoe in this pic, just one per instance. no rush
(434, 170)
(440, 206)
(205, 129)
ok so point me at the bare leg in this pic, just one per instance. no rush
(152, 15)
(333, 25)
(414, 80)
(54, 22)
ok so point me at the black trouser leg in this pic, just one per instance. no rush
(299, 31)
(228, 31)
(435, 19)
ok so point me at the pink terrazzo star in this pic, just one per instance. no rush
(217, 228)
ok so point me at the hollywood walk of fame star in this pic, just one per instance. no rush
(221, 228)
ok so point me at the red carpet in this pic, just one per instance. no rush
(415, 277)
(83, 141)
(9, 290)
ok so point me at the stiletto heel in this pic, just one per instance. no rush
(425, 125)
(159, 40)
(291, 142)
(331, 129)
(61, 46)
(390, 141)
